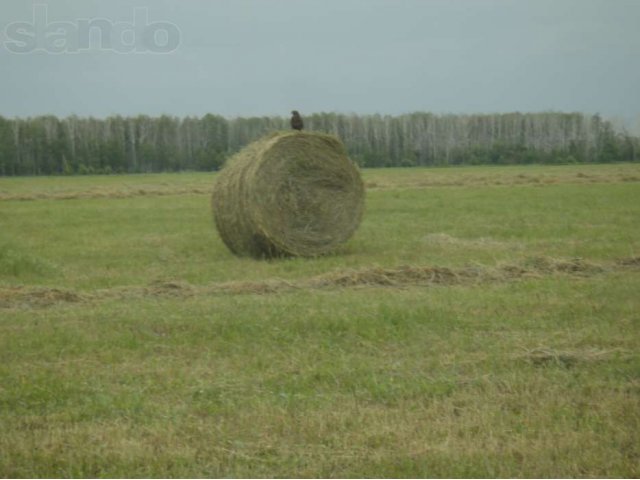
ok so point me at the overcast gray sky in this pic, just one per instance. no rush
(266, 57)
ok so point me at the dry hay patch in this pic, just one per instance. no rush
(169, 289)
(630, 262)
(545, 356)
(576, 266)
(397, 277)
(36, 296)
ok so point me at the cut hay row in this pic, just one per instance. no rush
(424, 180)
(156, 191)
(373, 277)
(288, 194)
(421, 179)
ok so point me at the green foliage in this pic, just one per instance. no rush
(51, 146)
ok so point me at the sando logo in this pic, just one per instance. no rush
(85, 34)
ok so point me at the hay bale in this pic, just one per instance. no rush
(288, 194)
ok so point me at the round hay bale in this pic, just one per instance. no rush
(288, 194)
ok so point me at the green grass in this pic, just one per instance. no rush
(538, 377)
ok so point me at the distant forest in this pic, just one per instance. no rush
(48, 145)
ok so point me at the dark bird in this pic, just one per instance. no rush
(296, 121)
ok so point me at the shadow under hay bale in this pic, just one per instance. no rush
(288, 194)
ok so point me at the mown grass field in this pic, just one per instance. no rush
(482, 322)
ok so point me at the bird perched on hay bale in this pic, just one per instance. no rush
(288, 194)
(296, 121)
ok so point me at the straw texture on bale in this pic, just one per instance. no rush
(288, 194)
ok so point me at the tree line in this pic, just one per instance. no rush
(47, 145)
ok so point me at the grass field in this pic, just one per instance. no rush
(481, 322)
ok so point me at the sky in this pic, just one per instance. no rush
(268, 57)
